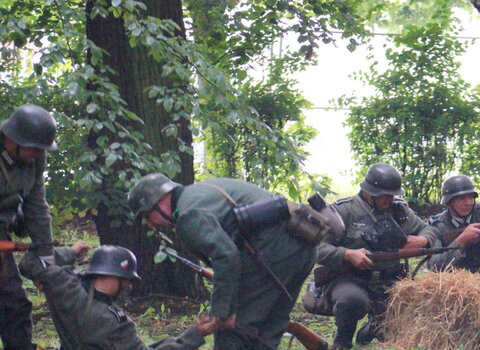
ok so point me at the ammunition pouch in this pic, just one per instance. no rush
(11, 214)
(315, 302)
(324, 275)
(385, 234)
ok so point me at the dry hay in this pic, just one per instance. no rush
(440, 311)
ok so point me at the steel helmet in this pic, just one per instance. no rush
(457, 186)
(382, 179)
(112, 260)
(148, 191)
(31, 126)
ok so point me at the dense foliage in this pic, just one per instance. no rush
(422, 115)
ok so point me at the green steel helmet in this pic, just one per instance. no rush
(112, 260)
(148, 191)
(456, 186)
(382, 179)
(31, 126)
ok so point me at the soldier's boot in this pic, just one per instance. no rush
(343, 338)
(370, 331)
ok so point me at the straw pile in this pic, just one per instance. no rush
(440, 311)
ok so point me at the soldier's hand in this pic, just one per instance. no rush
(358, 258)
(471, 235)
(415, 242)
(81, 248)
(206, 325)
(226, 323)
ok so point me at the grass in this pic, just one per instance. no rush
(157, 317)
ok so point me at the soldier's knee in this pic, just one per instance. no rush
(354, 306)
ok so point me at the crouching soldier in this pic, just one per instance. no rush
(457, 226)
(258, 271)
(83, 308)
(348, 284)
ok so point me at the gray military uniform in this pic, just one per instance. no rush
(353, 295)
(468, 258)
(206, 223)
(84, 322)
(27, 181)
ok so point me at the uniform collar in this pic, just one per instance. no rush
(458, 221)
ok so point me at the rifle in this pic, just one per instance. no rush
(9, 246)
(324, 274)
(309, 339)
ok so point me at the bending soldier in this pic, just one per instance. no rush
(244, 294)
(25, 137)
(374, 221)
(83, 308)
(460, 221)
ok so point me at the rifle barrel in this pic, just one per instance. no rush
(395, 254)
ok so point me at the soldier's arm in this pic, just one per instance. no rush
(439, 262)
(36, 211)
(416, 226)
(330, 252)
(190, 339)
(201, 231)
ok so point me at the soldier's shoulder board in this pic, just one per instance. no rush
(343, 200)
(119, 313)
(434, 219)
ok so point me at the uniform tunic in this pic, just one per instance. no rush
(468, 258)
(205, 222)
(103, 326)
(350, 293)
(27, 181)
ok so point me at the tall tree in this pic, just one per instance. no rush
(420, 114)
(134, 71)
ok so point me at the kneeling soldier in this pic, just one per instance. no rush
(374, 221)
(83, 308)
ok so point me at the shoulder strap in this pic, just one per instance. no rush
(221, 190)
(5, 173)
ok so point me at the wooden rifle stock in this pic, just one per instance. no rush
(9, 246)
(12, 246)
(309, 339)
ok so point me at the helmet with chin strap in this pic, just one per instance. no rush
(148, 191)
(456, 186)
(111, 260)
(31, 126)
(382, 179)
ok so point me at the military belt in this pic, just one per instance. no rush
(389, 274)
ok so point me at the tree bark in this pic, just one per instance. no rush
(137, 70)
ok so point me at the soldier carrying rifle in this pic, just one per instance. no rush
(375, 221)
(25, 137)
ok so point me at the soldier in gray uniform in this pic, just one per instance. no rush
(244, 294)
(457, 226)
(25, 137)
(374, 221)
(83, 307)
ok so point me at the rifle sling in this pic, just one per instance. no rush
(251, 249)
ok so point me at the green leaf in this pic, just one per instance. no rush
(159, 257)
(92, 107)
(111, 158)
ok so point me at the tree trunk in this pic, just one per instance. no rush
(137, 71)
